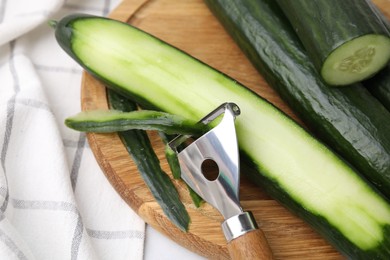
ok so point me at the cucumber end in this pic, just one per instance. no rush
(356, 60)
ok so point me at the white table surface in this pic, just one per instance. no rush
(157, 246)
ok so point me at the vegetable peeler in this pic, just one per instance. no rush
(210, 166)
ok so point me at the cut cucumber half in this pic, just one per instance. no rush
(346, 40)
(356, 60)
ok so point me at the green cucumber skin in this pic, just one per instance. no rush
(171, 155)
(108, 121)
(199, 109)
(379, 86)
(348, 19)
(348, 119)
(139, 147)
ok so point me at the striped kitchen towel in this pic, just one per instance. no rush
(55, 202)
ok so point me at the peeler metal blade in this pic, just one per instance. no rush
(219, 145)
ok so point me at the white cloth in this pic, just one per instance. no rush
(55, 202)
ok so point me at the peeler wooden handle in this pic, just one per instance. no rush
(252, 245)
(245, 239)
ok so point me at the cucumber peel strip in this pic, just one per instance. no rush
(109, 121)
(138, 145)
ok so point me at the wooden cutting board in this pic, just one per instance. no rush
(190, 26)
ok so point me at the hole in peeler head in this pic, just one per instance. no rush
(210, 169)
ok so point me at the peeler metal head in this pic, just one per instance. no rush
(219, 148)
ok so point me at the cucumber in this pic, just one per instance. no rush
(323, 190)
(139, 147)
(346, 40)
(348, 119)
(379, 86)
(109, 121)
